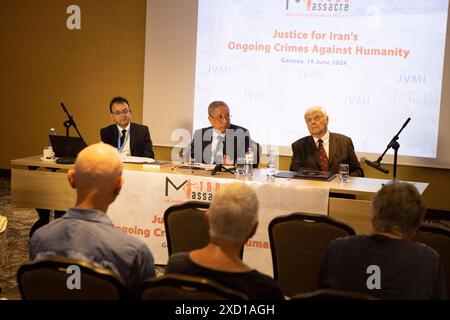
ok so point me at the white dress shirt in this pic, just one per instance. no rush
(125, 149)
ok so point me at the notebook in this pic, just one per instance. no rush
(306, 174)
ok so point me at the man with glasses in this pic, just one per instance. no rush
(222, 142)
(323, 150)
(131, 139)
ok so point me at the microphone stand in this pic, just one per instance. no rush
(219, 167)
(394, 145)
(70, 123)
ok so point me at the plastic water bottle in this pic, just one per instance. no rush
(248, 165)
(272, 163)
(52, 132)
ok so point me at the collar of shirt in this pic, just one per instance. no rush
(126, 128)
(326, 142)
(125, 149)
(88, 215)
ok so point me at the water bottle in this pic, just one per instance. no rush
(52, 132)
(272, 163)
(248, 165)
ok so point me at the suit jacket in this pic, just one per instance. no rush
(237, 141)
(140, 141)
(305, 155)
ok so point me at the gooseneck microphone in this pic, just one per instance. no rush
(375, 165)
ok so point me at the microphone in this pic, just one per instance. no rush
(64, 108)
(375, 165)
(218, 167)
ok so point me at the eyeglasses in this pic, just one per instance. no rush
(314, 119)
(124, 112)
(221, 118)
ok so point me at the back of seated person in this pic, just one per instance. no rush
(232, 219)
(85, 232)
(387, 264)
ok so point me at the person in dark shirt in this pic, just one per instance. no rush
(387, 264)
(232, 218)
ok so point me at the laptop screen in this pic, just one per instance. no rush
(66, 147)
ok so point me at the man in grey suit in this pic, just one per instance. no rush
(323, 150)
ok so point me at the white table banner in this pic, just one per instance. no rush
(139, 209)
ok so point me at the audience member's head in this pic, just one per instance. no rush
(219, 116)
(233, 214)
(97, 175)
(397, 209)
(120, 111)
(316, 119)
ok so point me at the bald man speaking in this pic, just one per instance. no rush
(85, 232)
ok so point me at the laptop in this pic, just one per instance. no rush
(65, 148)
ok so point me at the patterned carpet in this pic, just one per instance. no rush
(20, 221)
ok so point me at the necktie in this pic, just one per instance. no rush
(323, 156)
(218, 156)
(122, 137)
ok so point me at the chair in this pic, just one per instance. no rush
(297, 243)
(331, 294)
(186, 227)
(48, 280)
(437, 238)
(182, 287)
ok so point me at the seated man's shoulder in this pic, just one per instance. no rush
(236, 127)
(139, 126)
(424, 251)
(340, 136)
(302, 141)
(108, 128)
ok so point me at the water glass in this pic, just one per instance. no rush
(239, 166)
(343, 172)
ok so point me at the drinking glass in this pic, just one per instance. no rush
(343, 172)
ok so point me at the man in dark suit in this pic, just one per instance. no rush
(323, 150)
(129, 138)
(222, 142)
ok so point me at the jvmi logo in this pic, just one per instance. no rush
(319, 6)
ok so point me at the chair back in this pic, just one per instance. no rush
(182, 287)
(186, 227)
(438, 238)
(55, 279)
(331, 294)
(298, 242)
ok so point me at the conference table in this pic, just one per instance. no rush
(147, 193)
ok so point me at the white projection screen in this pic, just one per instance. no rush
(371, 64)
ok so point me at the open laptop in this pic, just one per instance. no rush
(65, 148)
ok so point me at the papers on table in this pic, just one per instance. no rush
(131, 159)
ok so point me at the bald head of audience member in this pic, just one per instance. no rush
(233, 214)
(397, 210)
(97, 177)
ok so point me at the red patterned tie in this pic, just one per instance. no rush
(323, 156)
